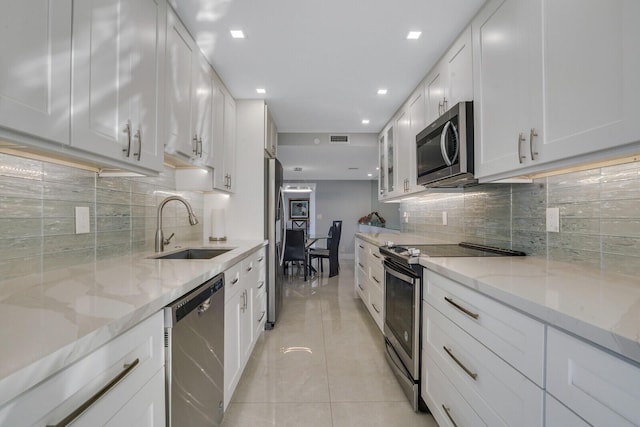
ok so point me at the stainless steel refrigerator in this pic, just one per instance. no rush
(275, 225)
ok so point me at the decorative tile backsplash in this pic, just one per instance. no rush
(37, 215)
(599, 217)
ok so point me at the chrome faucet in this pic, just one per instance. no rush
(160, 242)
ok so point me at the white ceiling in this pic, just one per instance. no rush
(322, 61)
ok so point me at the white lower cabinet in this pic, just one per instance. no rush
(491, 356)
(498, 393)
(513, 336)
(600, 387)
(131, 367)
(558, 415)
(445, 402)
(244, 316)
(369, 279)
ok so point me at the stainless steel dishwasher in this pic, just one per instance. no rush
(194, 356)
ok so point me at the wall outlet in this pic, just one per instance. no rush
(445, 218)
(553, 220)
(82, 220)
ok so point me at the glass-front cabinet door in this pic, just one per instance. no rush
(386, 151)
(382, 167)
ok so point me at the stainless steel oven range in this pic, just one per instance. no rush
(403, 308)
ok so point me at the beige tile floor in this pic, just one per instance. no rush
(322, 365)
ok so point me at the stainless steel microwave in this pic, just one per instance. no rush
(444, 149)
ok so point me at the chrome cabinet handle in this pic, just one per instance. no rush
(461, 308)
(127, 368)
(445, 103)
(138, 136)
(440, 107)
(532, 135)
(261, 316)
(195, 144)
(260, 259)
(127, 130)
(249, 268)
(361, 247)
(376, 255)
(464, 368)
(448, 413)
(376, 280)
(360, 265)
(360, 286)
(261, 284)
(375, 308)
(521, 139)
(199, 145)
(234, 281)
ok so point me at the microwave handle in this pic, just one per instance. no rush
(443, 142)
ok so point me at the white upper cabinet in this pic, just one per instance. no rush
(202, 111)
(181, 49)
(435, 92)
(404, 153)
(507, 82)
(117, 70)
(271, 134)
(229, 141)
(459, 60)
(387, 174)
(35, 71)
(451, 80)
(591, 83)
(547, 92)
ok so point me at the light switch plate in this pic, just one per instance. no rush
(445, 218)
(82, 220)
(553, 220)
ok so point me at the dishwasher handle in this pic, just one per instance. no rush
(198, 299)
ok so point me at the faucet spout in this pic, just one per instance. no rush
(193, 220)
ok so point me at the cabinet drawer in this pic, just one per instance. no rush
(259, 312)
(598, 386)
(446, 404)
(499, 394)
(361, 253)
(375, 259)
(51, 401)
(376, 305)
(362, 280)
(232, 281)
(516, 338)
(557, 415)
(376, 276)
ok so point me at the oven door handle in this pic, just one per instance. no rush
(399, 271)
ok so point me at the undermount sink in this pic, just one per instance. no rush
(192, 253)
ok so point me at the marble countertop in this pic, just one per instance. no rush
(52, 319)
(596, 305)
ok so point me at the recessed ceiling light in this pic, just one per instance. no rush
(414, 35)
(382, 91)
(237, 34)
(369, 174)
(365, 121)
(260, 90)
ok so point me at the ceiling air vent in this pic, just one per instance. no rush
(339, 139)
(298, 169)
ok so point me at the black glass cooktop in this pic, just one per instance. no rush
(463, 249)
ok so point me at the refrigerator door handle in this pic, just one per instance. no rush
(283, 224)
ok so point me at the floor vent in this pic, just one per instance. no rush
(339, 139)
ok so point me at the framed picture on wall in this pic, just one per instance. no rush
(298, 208)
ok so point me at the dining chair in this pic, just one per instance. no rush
(330, 253)
(294, 249)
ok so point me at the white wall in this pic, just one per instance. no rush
(345, 200)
